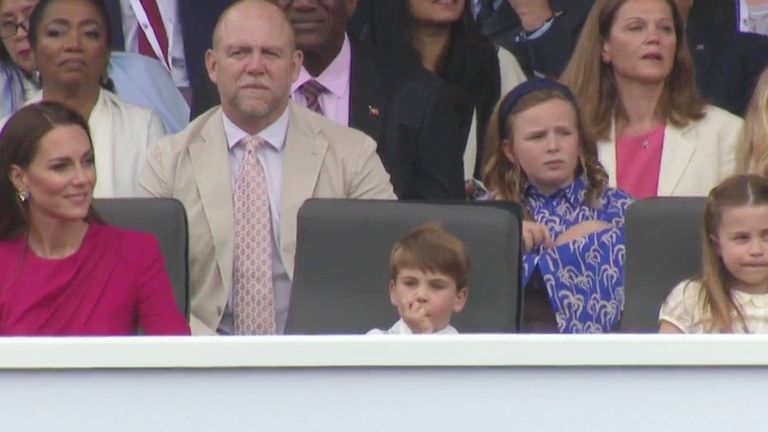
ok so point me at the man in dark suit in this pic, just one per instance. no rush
(196, 19)
(544, 38)
(728, 62)
(393, 99)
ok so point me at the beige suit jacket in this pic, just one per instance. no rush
(694, 159)
(322, 160)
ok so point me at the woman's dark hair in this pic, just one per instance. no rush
(5, 57)
(19, 142)
(390, 25)
(36, 18)
(470, 66)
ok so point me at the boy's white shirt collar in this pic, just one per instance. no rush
(402, 328)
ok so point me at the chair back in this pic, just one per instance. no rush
(166, 219)
(341, 278)
(663, 243)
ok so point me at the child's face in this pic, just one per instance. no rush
(545, 143)
(433, 293)
(742, 243)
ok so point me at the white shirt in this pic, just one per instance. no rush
(271, 158)
(401, 328)
(169, 10)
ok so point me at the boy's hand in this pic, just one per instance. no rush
(415, 316)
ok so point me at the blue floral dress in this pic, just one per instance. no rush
(584, 278)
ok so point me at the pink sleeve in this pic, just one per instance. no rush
(158, 314)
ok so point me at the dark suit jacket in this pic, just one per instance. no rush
(547, 55)
(407, 111)
(197, 18)
(720, 11)
(471, 71)
(728, 62)
(501, 22)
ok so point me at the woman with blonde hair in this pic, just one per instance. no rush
(754, 153)
(634, 78)
(540, 156)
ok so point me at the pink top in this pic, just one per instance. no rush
(335, 78)
(638, 162)
(113, 284)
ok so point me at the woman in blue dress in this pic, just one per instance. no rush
(539, 155)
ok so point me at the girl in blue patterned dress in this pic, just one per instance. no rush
(540, 156)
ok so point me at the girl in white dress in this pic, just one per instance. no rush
(731, 294)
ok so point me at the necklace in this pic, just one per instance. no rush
(645, 138)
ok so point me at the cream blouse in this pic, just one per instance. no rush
(684, 309)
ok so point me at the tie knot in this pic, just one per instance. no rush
(252, 143)
(313, 89)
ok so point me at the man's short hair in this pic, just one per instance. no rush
(430, 248)
(226, 11)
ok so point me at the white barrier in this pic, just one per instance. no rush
(385, 383)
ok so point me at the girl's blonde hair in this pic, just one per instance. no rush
(594, 84)
(716, 297)
(753, 155)
(507, 181)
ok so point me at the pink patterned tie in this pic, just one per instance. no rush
(254, 299)
(312, 91)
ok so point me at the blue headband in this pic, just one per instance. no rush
(527, 87)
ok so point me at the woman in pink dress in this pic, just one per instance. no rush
(62, 270)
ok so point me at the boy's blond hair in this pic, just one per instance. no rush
(429, 247)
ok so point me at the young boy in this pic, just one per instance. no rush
(429, 268)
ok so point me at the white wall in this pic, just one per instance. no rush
(724, 390)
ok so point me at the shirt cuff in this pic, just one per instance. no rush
(526, 36)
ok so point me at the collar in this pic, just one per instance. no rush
(402, 328)
(742, 16)
(573, 193)
(274, 134)
(335, 77)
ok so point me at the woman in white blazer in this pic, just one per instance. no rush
(70, 43)
(634, 79)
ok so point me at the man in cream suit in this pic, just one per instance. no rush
(253, 63)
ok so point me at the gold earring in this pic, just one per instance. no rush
(23, 196)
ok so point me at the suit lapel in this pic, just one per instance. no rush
(366, 103)
(606, 154)
(215, 189)
(675, 157)
(305, 147)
